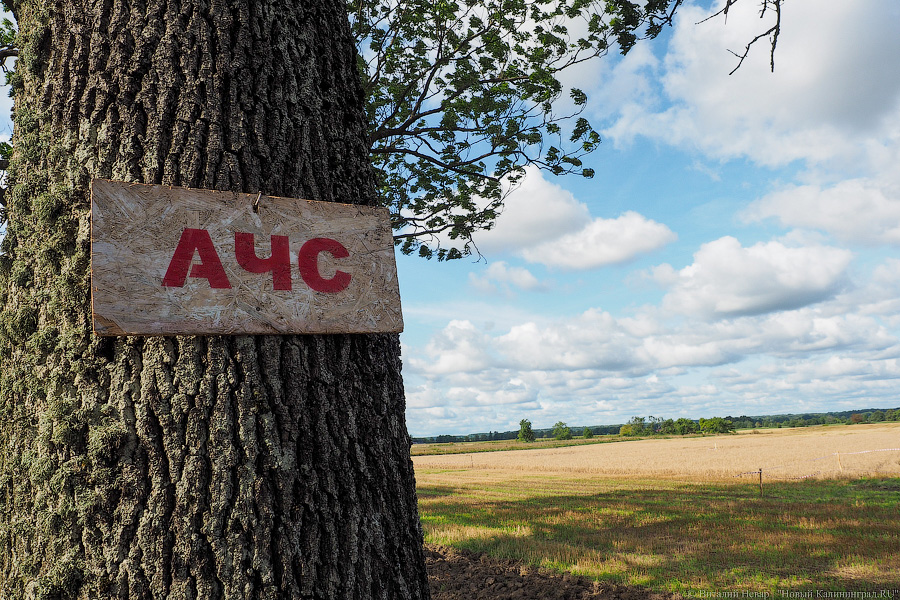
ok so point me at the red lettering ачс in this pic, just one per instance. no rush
(198, 241)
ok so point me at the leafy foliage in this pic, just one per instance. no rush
(716, 425)
(463, 94)
(685, 426)
(561, 431)
(526, 433)
(587, 433)
(8, 48)
(635, 426)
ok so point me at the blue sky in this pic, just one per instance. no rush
(736, 252)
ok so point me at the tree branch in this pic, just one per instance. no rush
(774, 30)
(435, 161)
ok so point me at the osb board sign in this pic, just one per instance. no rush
(168, 260)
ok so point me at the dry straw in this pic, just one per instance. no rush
(824, 452)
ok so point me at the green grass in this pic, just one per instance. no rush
(835, 535)
(503, 445)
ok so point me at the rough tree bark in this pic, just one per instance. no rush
(188, 467)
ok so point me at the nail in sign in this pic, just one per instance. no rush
(168, 260)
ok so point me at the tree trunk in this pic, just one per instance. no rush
(189, 467)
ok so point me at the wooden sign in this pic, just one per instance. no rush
(167, 260)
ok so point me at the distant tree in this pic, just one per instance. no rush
(561, 431)
(743, 422)
(526, 433)
(876, 416)
(638, 425)
(685, 426)
(586, 433)
(667, 427)
(654, 425)
(716, 425)
(856, 418)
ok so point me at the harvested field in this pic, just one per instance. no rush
(669, 516)
(782, 454)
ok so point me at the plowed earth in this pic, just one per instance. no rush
(460, 575)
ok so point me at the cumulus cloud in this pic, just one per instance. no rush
(459, 347)
(596, 349)
(835, 358)
(728, 280)
(684, 369)
(597, 367)
(545, 224)
(815, 383)
(534, 212)
(861, 211)
(882, 295)
(602, 242)
(592, 340)
(818, 105)
(503, 393)
(500, 277)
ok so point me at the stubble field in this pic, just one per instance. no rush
(833, 451)
(684, 515)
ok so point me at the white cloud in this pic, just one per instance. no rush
(499, 276)
(534, 212)
(629, 81)
(459, 347)
(593, 340)
(682, 351)
(833, 95)
(509, 392)
(728, 280)
(592, 369)
(861, 211)
(595, 367)
(545, 224)
(602, 242)
(882, 294)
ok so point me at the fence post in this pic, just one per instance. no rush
(760, 482)
(840, 466)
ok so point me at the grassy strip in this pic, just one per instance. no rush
(503, 445)
(438, 449)
(828, 535)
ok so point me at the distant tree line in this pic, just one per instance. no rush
(656, 425)
(644, 426)
(659, 426)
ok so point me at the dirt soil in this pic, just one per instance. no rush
(460, 575)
